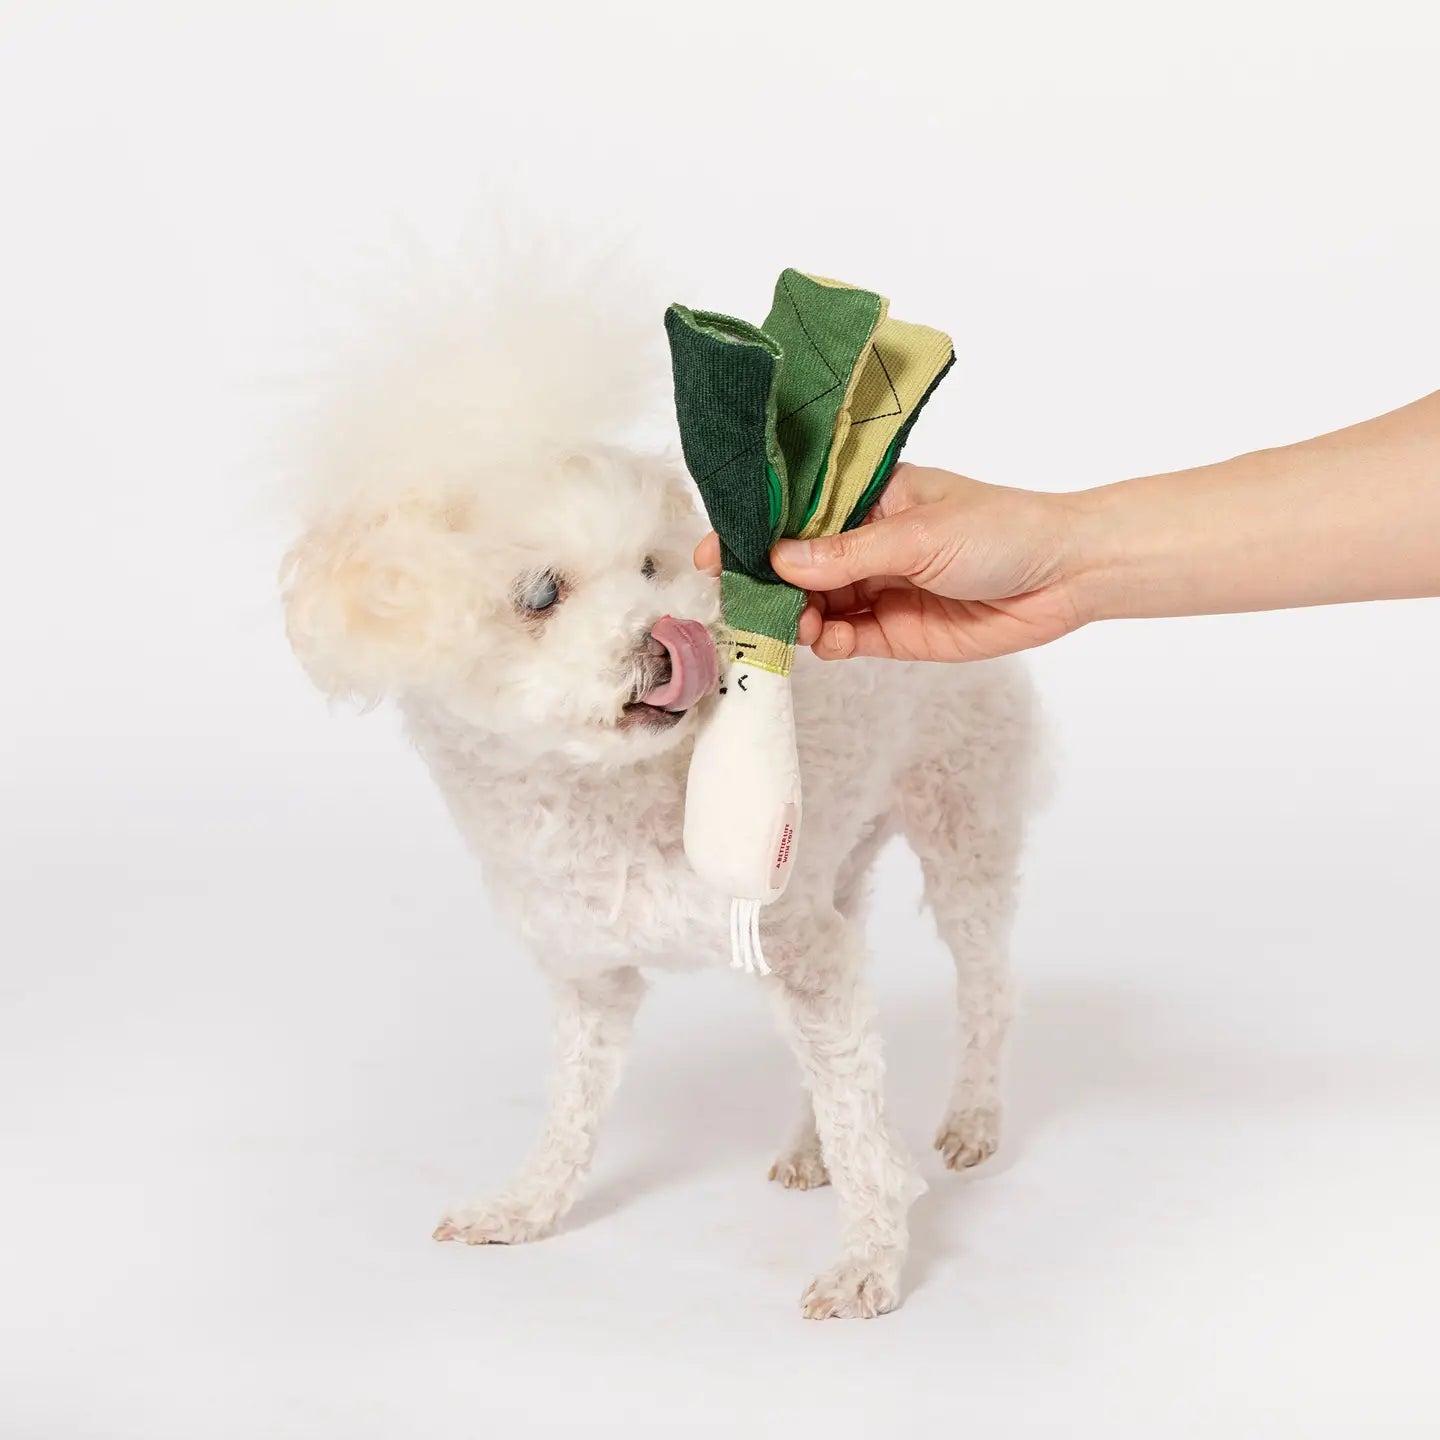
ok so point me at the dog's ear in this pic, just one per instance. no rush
(369, 604)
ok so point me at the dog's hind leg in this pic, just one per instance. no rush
(852, 883)
(801, 1164)
(593, 1020)
(963, 811)
(828, 1023)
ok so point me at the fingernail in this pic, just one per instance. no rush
(836, 641)
(794, 552)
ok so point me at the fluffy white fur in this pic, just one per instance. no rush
(478, 444)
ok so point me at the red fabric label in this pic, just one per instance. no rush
(779, 872)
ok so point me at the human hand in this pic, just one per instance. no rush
(946, 568)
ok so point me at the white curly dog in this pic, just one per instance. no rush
(487, 545)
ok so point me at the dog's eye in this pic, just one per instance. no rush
(539, 592)
(648, 568)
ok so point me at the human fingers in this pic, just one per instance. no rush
(895, 546)
(707, 554)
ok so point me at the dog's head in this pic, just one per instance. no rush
(563, 615)
(476, 546)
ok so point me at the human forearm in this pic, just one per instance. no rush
(950, 568)
(1354, 515)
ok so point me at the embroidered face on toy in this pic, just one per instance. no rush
(555, 614)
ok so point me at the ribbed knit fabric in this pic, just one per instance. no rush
(823, 331)
(761, 619)
(792, 430)
(725, 379)
(893, 379)
(866, 502)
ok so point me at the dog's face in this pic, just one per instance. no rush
(531, 608)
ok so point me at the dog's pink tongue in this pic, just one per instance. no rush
(694, 666)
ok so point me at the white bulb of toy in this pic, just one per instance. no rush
(742, 802)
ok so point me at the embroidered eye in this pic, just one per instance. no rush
(539, 592)
(648, 568)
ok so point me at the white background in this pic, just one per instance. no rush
(256, 1028)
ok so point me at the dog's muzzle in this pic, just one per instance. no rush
(694, 664)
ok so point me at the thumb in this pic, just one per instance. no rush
(893, 546)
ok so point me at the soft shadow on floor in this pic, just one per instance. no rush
(726, 1104)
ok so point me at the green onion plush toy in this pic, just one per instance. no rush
(789, 429)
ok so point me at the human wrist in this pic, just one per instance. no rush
(1088, 566)
(1148, 546)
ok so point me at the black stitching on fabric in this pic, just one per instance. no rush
(790, 414)
(781, 419)
(806, 329)
(889, 414)
(738, 455)
(758, 444)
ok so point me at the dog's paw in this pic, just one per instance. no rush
(853, 1290)
(801, 1169)
(494, 1224)
(967, 1137)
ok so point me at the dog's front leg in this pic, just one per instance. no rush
(829, 1024)
(593, 1019)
